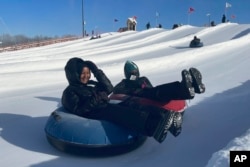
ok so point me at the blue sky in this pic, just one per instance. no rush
(62, 17)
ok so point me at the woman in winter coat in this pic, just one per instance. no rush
(89, 98)
(138, 86)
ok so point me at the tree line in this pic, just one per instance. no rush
(7, 40)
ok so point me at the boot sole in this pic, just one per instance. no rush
(199, 87)
(176, 128)
(161, 134)
(186, 76)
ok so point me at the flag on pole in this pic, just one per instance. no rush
(228, 5)
(157, 14)
(191, 10)
(233, 16)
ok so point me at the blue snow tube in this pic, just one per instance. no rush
(74, 134)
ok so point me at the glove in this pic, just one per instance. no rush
(92, 66)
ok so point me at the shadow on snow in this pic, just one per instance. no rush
(215, 118)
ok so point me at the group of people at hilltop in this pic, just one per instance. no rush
(148, 26)
(212, 23)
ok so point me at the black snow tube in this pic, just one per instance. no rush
(77, 135)
(195, 44)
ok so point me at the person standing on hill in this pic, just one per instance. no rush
(223, 20)
(148, 25)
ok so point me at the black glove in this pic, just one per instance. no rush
(92, 66)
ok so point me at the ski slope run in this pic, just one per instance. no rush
(32, 81)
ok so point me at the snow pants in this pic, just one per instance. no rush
(166, 92)
(142, 119)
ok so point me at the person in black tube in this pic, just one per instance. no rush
(88, 98)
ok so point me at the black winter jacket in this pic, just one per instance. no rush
(132, 87)
(83, 99)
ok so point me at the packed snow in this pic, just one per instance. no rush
(216, 122)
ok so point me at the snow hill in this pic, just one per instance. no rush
(215, 122)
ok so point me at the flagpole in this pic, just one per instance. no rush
(208, 15)
(156, 18)
(113, 26)
(83, 31)
(156, 21)
(189, 12)
(228, 5)
(225, 12)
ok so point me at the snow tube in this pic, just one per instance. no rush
(73, 134)
(195, 45)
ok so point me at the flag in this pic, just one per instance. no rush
(115, 20)
(233, 16)
(157, 14)
(191, 10)
(135, 17)
(228, 5)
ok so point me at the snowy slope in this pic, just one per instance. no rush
(216, 122)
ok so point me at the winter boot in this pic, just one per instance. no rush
(176, 128)
(186, 82)
(163, 127)
(199, 87)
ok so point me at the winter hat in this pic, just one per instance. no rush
(131, 70)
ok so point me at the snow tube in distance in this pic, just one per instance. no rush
(195, 45)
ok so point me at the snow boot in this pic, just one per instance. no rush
(163, 127)
(187, 83)
(199, 87)
(176, 128)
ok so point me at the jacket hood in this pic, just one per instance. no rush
(73, 70)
